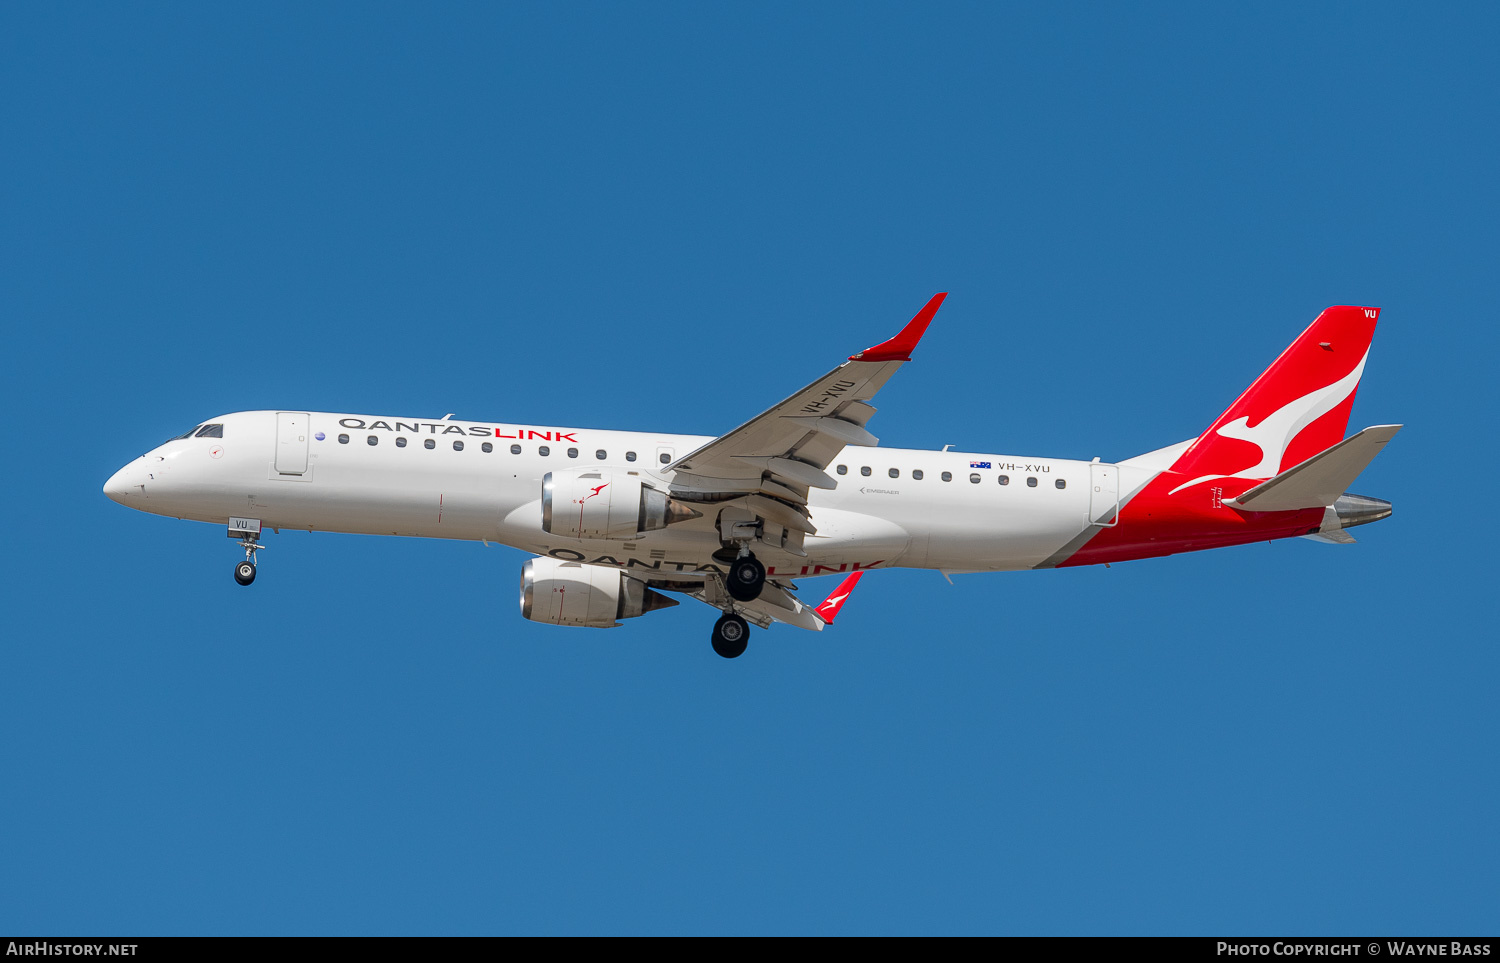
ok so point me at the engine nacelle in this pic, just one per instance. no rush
(574, 593)
(605, 504)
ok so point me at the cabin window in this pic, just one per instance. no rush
(664, 458)
(572, 452)
(630, 456)
(400, 442)
(515, 449)
(842, 469)
(894, 473)
(1062, 483)
(372, 440)
(428, 443)
(1031, 482)
(865, 470)
(544, 451)
(916, 474)
(601, 455)
(486, 448)
(458, 445)
(343, 439)
(210, 431)
(947, 476)
(974, 478)
(1005, 479)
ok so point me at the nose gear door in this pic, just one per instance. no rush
(291, 442)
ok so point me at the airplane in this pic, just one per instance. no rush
(618, 522)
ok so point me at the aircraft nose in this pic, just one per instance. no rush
(125, 484)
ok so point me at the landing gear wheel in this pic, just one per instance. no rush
(731, 635)
(244, 573)
(745, 579)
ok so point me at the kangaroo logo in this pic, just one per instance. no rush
(831, 604)
(597, 490)
(1276, 431)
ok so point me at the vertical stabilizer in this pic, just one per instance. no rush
(1296, 409)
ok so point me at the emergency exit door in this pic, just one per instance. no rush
(291, 442)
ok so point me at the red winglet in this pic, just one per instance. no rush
(834, 602)
(900, 347)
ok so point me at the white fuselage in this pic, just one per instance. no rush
(388, 476)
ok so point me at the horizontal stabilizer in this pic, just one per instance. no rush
(1319, 481)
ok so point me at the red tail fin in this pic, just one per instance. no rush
(1297, 408)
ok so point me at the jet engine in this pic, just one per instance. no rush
(574, 593)
(606, 504)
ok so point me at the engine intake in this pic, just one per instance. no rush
(575, 593)
(605, 504)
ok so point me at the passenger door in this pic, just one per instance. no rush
(291, 442)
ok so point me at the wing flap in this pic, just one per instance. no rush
(845, 431)
(781, 513)
(775, 604)
(798, 471)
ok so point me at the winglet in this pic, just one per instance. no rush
(900, 347)
(834, 602)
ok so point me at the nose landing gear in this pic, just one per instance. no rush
(244, 572)
(247, 530)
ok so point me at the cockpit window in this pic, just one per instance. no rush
(186, 434)
(210, 431)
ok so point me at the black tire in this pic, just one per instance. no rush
(244, 573)
(745, 579)
(731, 636)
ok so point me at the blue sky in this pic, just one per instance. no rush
(669, 216)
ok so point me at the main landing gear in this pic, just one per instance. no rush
(745, 579)
(731, 635)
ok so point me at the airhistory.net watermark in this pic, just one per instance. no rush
(38, 948)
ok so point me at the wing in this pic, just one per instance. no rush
(775, 604)
(779, 455)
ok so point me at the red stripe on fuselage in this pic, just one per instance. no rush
(1155, 523)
